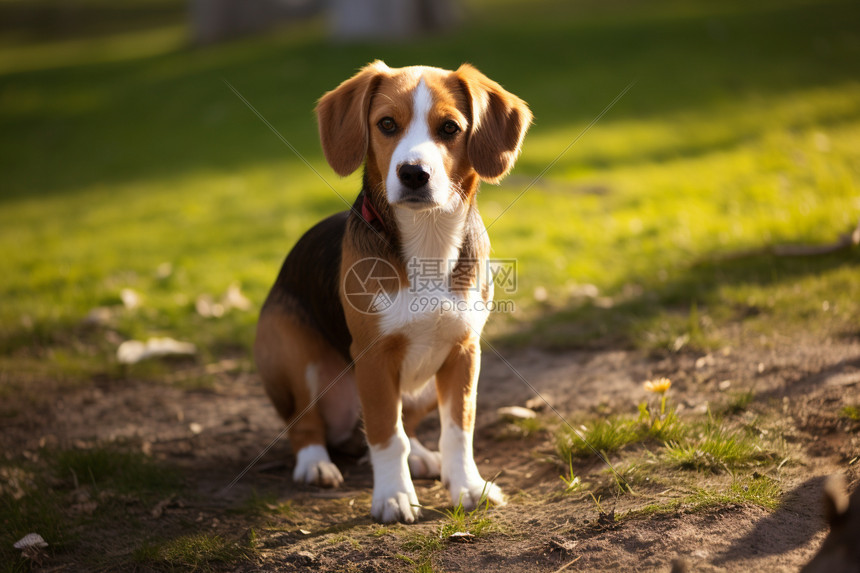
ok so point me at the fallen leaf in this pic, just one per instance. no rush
(207, 307)
(133, 351)
(513, 413)
(235, 299)
(30, 540)
(130, 298)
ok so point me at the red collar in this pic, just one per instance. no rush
(369, 214)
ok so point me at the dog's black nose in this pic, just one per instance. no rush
(412, 176)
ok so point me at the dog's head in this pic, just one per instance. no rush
(426, 134)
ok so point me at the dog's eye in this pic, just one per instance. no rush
(387, 125)
(450, 128)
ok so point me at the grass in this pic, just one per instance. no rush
(718, 448)
(195, 552)
(850, 412)
(128, 164)
(267, 504)
(604, 435)
(109, 467)
(761, 491)
(610, 434)
(476, 522)
(60, 493)
(650, 448)
(738, 401)
(160, 180)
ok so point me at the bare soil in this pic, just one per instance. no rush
(213, 434)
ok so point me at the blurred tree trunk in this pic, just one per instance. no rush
(216, 20)
(391, 19)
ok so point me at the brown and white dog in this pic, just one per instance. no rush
(341, 328)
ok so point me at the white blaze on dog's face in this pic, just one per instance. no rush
(418, 123)
(426, 135)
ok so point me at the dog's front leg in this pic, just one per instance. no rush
(394, 496)
(457, 386)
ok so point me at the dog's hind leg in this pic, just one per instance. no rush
(423, 462)
(293, 360)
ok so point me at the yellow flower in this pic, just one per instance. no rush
(660, 385)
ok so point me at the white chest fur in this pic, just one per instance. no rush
(432, 323)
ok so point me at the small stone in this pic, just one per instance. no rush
(195, 428)
(461, 537)
(725, 385)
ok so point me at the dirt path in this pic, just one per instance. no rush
(213, 434)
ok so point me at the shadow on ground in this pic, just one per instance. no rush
(659, 312)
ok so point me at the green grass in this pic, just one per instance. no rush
(850, 412)
(267, 504)
(475, 521)
(128, 163)
(122, 150)
(716, 449)
(761, 491)
(648, 450)
(613, 433)
(421, 547)
(604, 435)
(114, 469)
(48, 494)
(195, 552)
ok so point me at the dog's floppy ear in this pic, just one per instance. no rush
(499, 123)
(342, 118)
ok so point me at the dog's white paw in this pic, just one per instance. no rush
(474, 492)
(390, 506)
(313, 466)
(394, 496)
(423, 463)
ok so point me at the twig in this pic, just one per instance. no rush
(569, 563)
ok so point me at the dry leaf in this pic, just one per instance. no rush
(30, 540)
(133, 351)
(461, 537)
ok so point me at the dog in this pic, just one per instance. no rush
(840, 551)
(346, 330)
